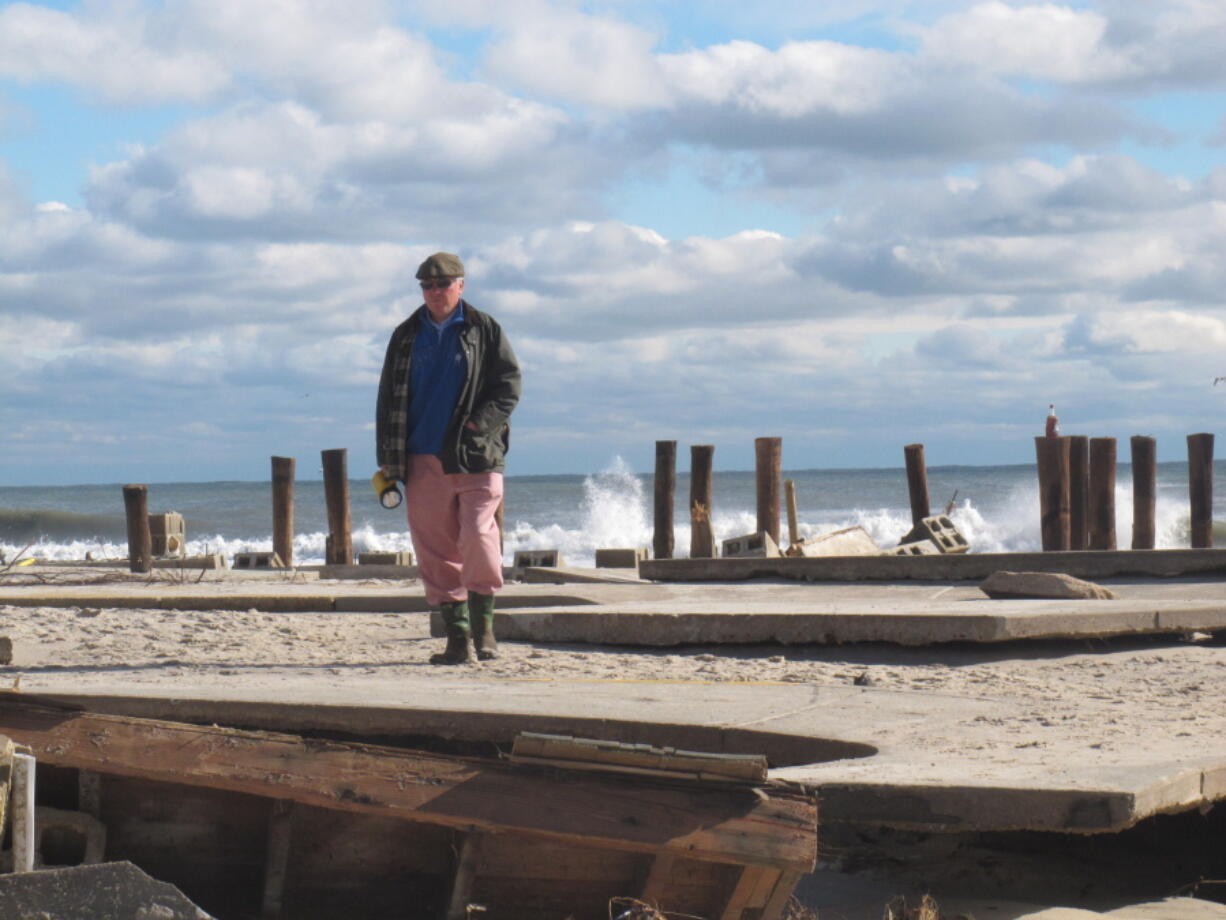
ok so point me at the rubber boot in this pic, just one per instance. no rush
(482, 606)
(455, 619)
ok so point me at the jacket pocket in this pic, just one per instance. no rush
(477, 451)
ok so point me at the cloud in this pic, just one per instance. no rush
(117, 52)
(565, 54)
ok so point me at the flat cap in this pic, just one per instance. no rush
(441, 265)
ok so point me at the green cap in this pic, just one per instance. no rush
(441, 265)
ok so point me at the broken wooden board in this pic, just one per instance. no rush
(771, 826)
(642, 759)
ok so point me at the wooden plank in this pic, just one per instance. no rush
(770, 827)
(779, 897)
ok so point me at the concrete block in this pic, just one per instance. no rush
(258, 561)
(67, 838)
(538, 559)
(941, 531)
(168, 533)
(620, 558)
(850, 541)
(760, 545)
(400, 558)
(918, 548)
(166, 522)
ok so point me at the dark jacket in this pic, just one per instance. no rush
(490, 392)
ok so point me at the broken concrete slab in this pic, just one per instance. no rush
(107, 890)
(850, 541)
(1167, 909)
(902, 785)
(1043, 585)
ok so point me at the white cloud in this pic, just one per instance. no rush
(798, 79)
(1041, 41)
(565, 54)
(116, 51)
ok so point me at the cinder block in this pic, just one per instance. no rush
(258, 561)
(400, 558)
(169, 534)
(941, 531)
(918, 548)
(620, 558)
(60, 834)
(850, 541)
(166, 522)
(759, 545)
(538, 559)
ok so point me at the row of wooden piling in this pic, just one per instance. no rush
(339, 545)
(1076, 492)
(768, 453)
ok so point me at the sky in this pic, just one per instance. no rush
(854, 225)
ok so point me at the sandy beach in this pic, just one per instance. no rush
(1061, 705)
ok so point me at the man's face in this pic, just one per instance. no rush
(442, 296)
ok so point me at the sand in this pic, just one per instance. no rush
(1050, 704)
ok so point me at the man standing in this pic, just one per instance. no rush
(449, 383)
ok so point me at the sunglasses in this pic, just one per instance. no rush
(436, 285)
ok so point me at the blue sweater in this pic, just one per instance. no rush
(436, 375)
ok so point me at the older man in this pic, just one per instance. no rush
(450, 381)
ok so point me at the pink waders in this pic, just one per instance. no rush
(455, 537)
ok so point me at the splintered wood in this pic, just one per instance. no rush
(734, 846)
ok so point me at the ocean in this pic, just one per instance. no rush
(995, 507)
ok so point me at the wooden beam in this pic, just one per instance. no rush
(465, 876)
(276, 862)
(767, 826)
(780, 896)
(753, 889)
(658, 879)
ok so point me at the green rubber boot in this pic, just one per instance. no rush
(455, 618)
(482, 606)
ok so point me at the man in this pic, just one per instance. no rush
(449, 383)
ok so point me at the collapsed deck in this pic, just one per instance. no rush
(247, 821)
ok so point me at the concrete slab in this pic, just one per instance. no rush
(673, 622)
(946, 567)
(107, 890)
(867, 753)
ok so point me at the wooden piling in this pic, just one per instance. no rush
(1054, 517)
(336, 495)
(1200, 489)
(140, 542)
(1101, 510)
(702, 535)
(662, 542)
(283, 509)
(769, 468)
(789, 489)
(1079, 491)
(1144, 490)
(917, 482)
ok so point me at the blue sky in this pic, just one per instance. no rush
(855, 225)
